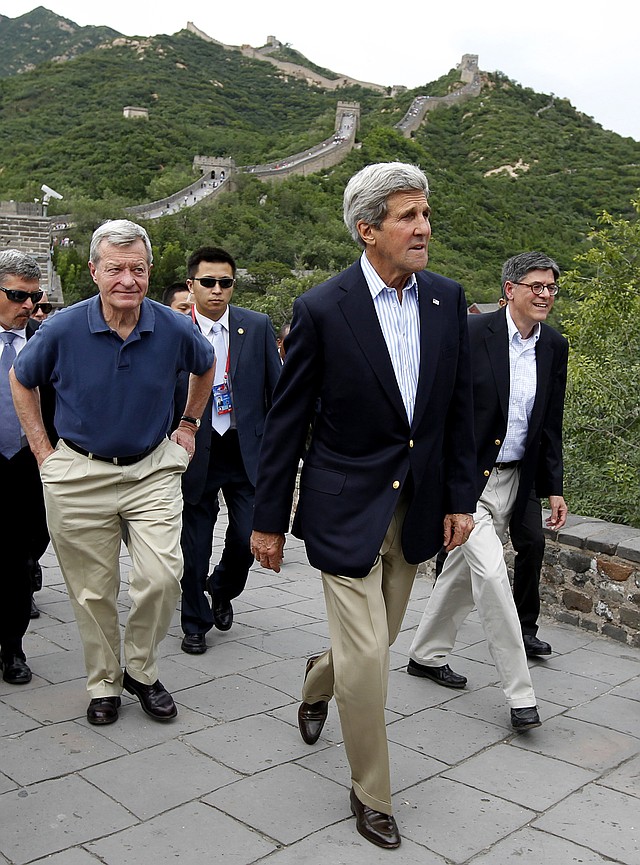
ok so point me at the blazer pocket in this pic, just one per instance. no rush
(450, 350)
(322, 480)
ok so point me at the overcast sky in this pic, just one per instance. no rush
(581, 51)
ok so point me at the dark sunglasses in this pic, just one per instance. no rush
(18, 296)
(210, 281)
(44, 307)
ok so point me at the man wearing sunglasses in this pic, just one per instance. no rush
(519, 378)
(42, 310)
(228, 444)
(114, 360)
(23, 517)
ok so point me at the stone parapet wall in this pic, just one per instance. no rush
(591, 578)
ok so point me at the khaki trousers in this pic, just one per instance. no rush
(475, 574)
(364, 617)
(87, 503)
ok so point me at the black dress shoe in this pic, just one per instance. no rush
(535, 647)
(442, 675)
(311, 716)
(194, 644)
(379, 828)
(103, 710)
(36, 576)
(222, 614)
(155, 700)
(15, 670)
(35, 612)
(525, 718)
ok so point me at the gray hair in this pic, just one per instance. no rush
(16, 263)
(366, 194)
(120, 232)
(519, 265)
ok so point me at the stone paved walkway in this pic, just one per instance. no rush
(231, 780)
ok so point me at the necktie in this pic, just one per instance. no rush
(220, 422)
(10, 432)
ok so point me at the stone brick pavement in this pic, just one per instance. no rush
(232, 780)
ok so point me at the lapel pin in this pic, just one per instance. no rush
(437, 302)
(240, 330)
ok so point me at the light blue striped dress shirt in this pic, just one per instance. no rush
(400, 323)
(523, 381)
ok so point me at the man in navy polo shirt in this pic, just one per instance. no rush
(113, 361)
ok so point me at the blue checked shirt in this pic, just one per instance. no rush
(522, 391)
(400, 323)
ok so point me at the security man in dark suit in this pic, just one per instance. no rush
(227, 445)
(378, 358)
(23, 519)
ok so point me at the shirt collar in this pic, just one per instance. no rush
(376, 283)
(97, 324)
(513, 330)
(206, 324)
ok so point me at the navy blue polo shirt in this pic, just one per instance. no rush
(113, 397)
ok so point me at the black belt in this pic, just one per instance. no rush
(511, 465)
(116, 461)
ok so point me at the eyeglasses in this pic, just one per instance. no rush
(43, 307)
(539, 287)
(18, 296)
(212, 281)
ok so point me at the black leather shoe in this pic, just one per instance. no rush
(155, 700)
(379, 828)
(535, 647)
(311, 716)
(222, 614)
(15, 670)
(35, 612)
(194, 644)
(442, 675)
(103, 710)
(525, 718)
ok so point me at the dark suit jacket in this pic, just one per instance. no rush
(541, 466)
(254, 367)
(363, 453)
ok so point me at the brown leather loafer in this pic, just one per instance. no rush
(311, 716)
(443, 675)
(155, 700)
(103, 710)
(379, 828)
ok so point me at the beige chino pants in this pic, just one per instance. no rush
(475, 574)
(364, 617)
(86, 500)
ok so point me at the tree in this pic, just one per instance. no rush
(602, 412)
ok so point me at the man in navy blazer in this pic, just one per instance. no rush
(227, 445)
(519, 378)
(378, 357)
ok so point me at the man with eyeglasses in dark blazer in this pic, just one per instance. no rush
(519, 368)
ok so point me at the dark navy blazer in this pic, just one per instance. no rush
(363, 452)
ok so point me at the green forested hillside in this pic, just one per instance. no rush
(62, 124)
(509, 170)
(41, 35)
